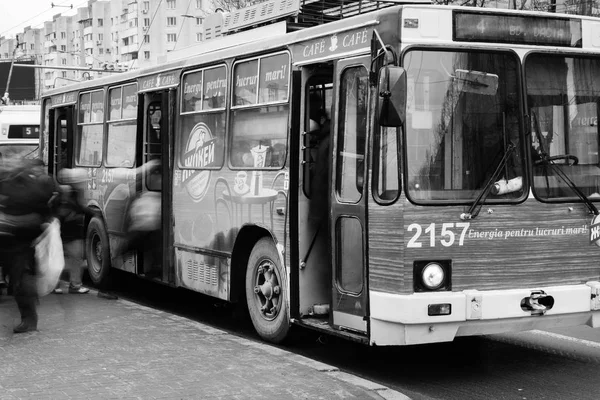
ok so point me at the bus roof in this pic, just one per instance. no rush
(20, 114)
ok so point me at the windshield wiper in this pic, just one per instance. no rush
(548, 161)
(476, 206)
(31, 154)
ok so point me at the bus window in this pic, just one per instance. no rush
(386, 171)
(15, 151)
(264, 99)
(456, 136)
(352, 122)
(24, 131)
(203, 119)
(562, 94)
(90, 129)
(122, 127)
(249, 140)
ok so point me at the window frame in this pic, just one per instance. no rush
(338, 184)
(521, 150)
(233, 108)
(203, 111)
(110, 121)
(378, 167)
(80, 126)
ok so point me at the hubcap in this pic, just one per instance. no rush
(267, 290)
(97, 251)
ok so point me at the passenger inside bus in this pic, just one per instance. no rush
(320, 164)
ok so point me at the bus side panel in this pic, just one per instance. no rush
(209, 208)
(506, 246)
(386, 248)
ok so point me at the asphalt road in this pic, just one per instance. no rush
(562, 364)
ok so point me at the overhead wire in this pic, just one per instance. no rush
(182, 22)
(149, 26)
(34, 17)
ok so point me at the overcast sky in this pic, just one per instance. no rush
(17, 14)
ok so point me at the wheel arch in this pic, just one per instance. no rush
(245, 241)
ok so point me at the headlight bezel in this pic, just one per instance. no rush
(419, 268)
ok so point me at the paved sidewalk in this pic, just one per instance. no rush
(95, 348)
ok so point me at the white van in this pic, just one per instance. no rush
(19, 132)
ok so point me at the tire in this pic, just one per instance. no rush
(97, 252)
(266, 292)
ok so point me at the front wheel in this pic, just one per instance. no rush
(97, 252)
(266, 292)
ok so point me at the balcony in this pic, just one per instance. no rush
(132, 48)
(50, 57)
(130, 32)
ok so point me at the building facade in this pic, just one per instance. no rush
(107, 34)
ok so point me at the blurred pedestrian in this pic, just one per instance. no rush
(144, 218)
(72, 212)
(25, 203)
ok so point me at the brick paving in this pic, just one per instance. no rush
(93, 348)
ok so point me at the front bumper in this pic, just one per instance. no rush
(403, 319)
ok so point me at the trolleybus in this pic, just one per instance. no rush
(19, 132)
(405, 175)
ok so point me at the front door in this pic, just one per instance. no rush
(348, 194)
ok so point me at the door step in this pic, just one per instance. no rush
(322, 325)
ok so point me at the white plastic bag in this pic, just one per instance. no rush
(49, 258)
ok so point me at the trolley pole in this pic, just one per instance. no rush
(6, 98)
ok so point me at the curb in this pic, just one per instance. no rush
(382, 391)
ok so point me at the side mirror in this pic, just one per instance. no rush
(391, 96)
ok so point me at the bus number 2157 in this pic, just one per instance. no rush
(448, 234)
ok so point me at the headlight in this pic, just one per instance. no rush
(433, 276)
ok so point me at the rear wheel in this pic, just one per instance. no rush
(97, 252)
(266, 292)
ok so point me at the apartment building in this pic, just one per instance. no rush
(108, 34)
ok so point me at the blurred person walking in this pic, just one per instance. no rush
(26, 196)
(72, 213)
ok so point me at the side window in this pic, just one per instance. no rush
(386, 170)
(90, 129)
(120, 149)
(352, 122)
(203, 119)
(260, 112)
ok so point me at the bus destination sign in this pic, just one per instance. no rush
(516, 29)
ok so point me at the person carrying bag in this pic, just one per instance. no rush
(49, 258)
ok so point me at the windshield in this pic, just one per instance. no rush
(10, 152)
(462, 117)
(562, 95)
